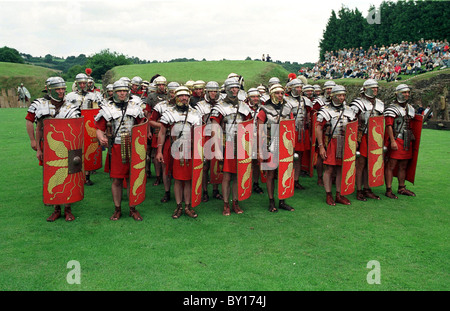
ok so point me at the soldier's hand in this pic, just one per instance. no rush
(322, 152)
(159, 157)
(394, 145)
(40, 155)
(33, 145)
(103, 141)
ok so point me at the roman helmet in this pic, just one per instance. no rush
(81, 77)
(121, 85)
(368, 86)
(182, 90)
(275, 88)
(399, 90)
(54, 84)
(229, 84)
(251, 93)
(212, 86)
(292, 85)
(337, 90)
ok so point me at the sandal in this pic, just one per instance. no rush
(117, 214)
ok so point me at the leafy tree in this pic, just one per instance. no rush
(10, 55)
(101, 62)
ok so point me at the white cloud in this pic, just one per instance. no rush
(164, 30)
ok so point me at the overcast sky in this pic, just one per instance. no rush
(164, 30)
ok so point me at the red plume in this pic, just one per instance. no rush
(88, 71)
(291, 76)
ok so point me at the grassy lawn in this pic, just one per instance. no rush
(316, 247)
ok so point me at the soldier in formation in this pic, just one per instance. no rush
(173, 110)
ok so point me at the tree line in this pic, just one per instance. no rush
(391, 22)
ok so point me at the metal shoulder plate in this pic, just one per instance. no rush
(203, 107)
(394, 110)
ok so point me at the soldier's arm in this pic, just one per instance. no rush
(39, 132)
(319, 136)
(161, 139)
(100, 131)
(30, 131)
(215, 136)
(390, 132)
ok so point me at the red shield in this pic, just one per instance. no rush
(375, 160)
(312, 152)
(216, 173)
(197, 166)
(92, 149)
(416, 128)
(348, 160)
(244, 156)
(63, 161)
(286, 159)
(138, 180)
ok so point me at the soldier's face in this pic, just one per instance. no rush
(212, 94)
(278, 95)
(82, 85)
(184, 99)
(375, 91)
(406, 95)
(122, 95)
(317, 93)
(61, 92)
(254, 99)
(161, 87)
(198, 92)
(309, 93)
(234, 90)
(299, 89)
(172, 94)
(340, 98)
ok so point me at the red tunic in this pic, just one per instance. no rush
(181, 169)
(330, 149)
(229, 162)
(401, 153)
(117, 169)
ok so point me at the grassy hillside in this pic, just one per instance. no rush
(254, 72)
(33, 77)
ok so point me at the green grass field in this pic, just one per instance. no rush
(314, 248)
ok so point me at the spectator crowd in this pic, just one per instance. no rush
(382, 63)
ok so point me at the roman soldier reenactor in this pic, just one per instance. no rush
(204, 107)
(331, 121)
(179, 120)
(270, 115)
(402, 141)
(302, 109)
(318, 103)
(54, 107)
(114, 125)
(225, 115)
(365, 107)
(254, 102)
